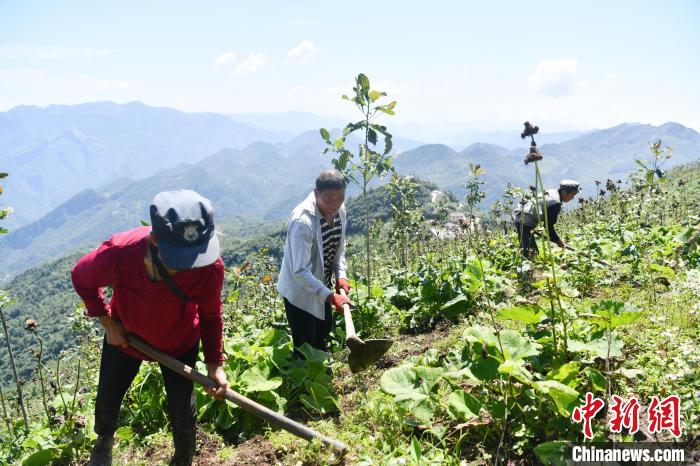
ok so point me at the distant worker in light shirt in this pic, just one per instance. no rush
(166, 288)
(531, 213)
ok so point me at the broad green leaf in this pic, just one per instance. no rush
(564, 373)
(41, 457)
(363, 82)
(563, 395)
(297, 375)
(663, 270)
(416, 452)
(479, 334)
(613, 314)
(374, 95)
(338, 143)
(233, 297)
(463, 405)
(318, 398)
(517, 346)
(423, 410)
(342, 161)
(484, 370)
(598, 381)
(124, 434)
(372, 137)
(516, 368)
(225, 419)
(427, 377)
(272, 400)
(526, 314)
(472, 268)
(256, 379)
(325, 134)
(401, 382)
(312, 354)
(388, 144)
(456, 306)
(38, 438)
(599, 347)
(273, 337)
(379, 129)
(552, 453)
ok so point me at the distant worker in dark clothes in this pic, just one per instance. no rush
(314, 255)
(166, 288)
(529, 215)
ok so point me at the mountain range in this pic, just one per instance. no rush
(260, 180)
(597, 155)
(55, 152)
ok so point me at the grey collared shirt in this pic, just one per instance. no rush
(302, 273)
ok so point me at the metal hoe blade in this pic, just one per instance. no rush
(365, 353)
(362, 353)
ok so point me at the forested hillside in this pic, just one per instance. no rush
(266, 180)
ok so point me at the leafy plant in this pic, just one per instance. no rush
(369, 162)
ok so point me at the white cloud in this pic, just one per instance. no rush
(51, 52)
(250, 64)
(225, 59)
(302, 53)
(554, 77)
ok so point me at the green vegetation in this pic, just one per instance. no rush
(369, 163)
(493, 353)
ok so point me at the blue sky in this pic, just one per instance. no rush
(450, 65)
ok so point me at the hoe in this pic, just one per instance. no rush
(363, 353)
(249, 405)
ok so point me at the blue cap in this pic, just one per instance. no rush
(183, 223)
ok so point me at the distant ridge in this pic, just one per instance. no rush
(260, 179)
(53, 153)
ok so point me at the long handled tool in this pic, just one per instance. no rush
(249, 405)
(363, 353)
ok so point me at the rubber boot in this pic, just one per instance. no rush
(185, 440)
(101, 454)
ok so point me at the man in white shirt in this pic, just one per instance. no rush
(314, 254)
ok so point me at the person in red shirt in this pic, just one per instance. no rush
(166, 288)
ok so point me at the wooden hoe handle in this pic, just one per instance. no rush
(249, 405)
(349, 326)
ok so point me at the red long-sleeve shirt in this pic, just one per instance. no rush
(150, 309)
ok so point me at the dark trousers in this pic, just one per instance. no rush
(117, 371)
(307, 328)
(528, 245)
